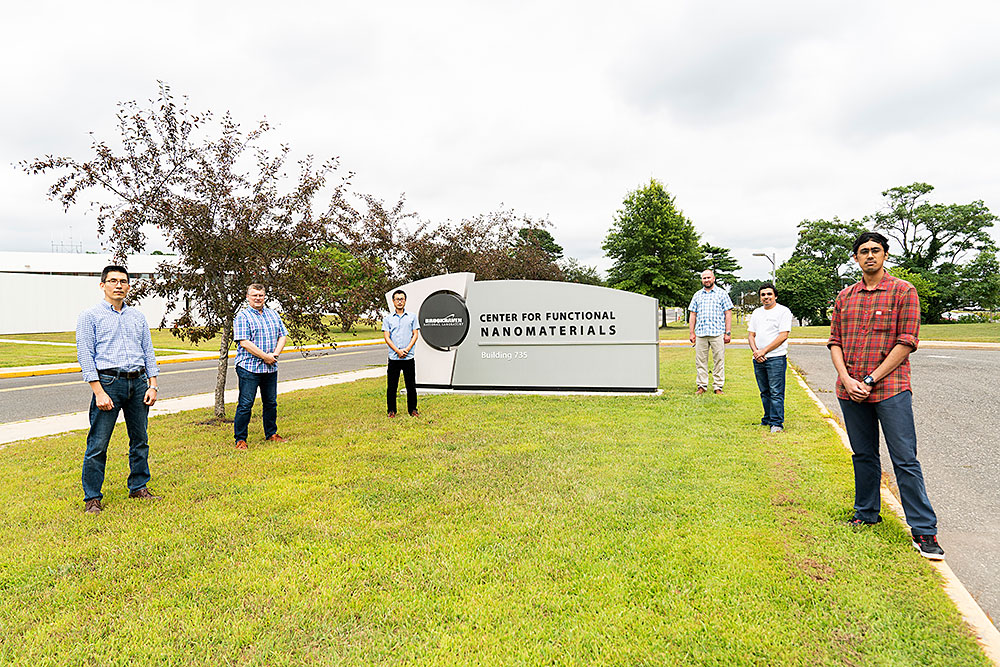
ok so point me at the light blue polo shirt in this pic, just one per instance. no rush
(400, 328)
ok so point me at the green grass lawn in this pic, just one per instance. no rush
(491, 530)
(13, 354)
(977, 332)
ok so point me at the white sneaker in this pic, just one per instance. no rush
(776, 429)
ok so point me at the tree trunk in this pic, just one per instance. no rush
(220, 380)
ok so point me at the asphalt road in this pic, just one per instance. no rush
(45, 395)
(956, 405)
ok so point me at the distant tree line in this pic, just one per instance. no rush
(944, 250)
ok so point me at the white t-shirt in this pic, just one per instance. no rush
(767, 324)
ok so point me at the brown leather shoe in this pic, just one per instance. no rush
(391, 415)
(276, 438)
(143, 494)
(718, 391)
(414, 413)
(241, 444)
(93, 506)
(699, 391)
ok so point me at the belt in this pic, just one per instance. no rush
(131, 375)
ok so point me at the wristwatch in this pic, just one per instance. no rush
(729, 333)
(869, 380)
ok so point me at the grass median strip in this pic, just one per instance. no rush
(513, 529)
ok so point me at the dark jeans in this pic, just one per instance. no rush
(127, 396)
(896, 416)
(408, 366)
(770, 376)
(249, 382)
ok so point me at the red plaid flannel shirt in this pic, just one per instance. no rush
(867, 324)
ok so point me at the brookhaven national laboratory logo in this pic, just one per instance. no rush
(444, 320)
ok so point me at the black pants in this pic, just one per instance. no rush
(408, 366)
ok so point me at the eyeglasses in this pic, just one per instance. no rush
(117, 281)
(864, 252)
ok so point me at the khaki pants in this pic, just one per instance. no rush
(701, 346)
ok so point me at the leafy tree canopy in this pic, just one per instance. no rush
(576, 272)
(929, 235)
(654, 248)
(830, 244)
(226, 205)
(722, 263)
(805, 287)
(543, 239)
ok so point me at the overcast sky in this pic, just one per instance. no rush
(754, 115)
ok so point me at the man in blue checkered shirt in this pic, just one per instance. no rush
(711, 327)
(115, 351)
(260, 337)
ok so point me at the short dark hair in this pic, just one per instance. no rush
(113, 268)
(870, 236)
(399, 291)
(765, 286)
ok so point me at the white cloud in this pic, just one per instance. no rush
(755, 115)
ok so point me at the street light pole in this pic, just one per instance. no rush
(774, 267)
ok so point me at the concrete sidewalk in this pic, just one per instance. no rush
(74, 421)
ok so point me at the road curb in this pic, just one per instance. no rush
(986, 633)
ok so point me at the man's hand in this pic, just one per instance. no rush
(692, 338)
(759, 356)
(150, 396)
(857, 390)
(726, 338)
(104, 401)
(269, 358)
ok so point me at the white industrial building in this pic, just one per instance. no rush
(45, 291)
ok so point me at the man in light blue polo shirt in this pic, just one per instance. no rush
(401, 332)
(711, 328)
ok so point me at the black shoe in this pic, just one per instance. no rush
(928, 546)
(858, 521)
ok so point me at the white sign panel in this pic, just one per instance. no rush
(528, 334)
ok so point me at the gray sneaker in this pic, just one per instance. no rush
(776, 429)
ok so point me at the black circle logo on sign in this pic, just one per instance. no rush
(444, 320)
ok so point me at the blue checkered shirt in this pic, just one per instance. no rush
(710, 306)
(107, 338)
(263, 329)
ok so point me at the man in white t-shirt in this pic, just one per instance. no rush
(768, 335)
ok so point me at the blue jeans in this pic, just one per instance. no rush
(896, 416)
(249, 382)
(127, 396)
(770, 376)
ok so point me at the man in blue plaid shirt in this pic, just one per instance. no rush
(711, 328)
(260, 337)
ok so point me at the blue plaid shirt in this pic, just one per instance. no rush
(263, 329)
(710, 306)
(107, 338)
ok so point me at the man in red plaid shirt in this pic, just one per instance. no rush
(874, 329)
